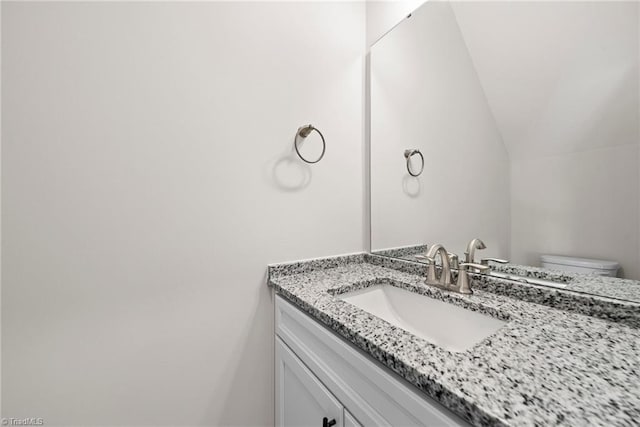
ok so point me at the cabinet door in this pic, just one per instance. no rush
(301, 399)
(349, 420)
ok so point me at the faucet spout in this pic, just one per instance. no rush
(445, 273)
(471, 249)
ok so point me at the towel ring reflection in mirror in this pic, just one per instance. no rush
(304, 132)
(408, 154)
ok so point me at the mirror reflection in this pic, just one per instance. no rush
(527, 117)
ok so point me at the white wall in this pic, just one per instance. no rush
(557, 75)
(383, 15)
(426, 94)
(561, 79)
(147, 181)
(558, 210)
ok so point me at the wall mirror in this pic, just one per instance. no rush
(527, 117)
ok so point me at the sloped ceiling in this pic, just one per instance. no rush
(559, 77)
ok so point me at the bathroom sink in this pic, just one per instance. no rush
(448, 326)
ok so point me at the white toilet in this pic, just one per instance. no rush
(580, 265)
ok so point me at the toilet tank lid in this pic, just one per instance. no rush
(580, 262)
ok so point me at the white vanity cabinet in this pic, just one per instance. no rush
(303, 400)
(320, 378)
(349, 421)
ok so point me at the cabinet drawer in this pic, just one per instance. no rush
(374, 396)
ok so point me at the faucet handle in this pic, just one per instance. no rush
(480, 267)
(463, 284)
(485, 261)
(476, 268)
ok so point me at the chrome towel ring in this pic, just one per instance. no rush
(408, 154)
(304, 132)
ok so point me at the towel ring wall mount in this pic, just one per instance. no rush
(302, 133)
(408, 154)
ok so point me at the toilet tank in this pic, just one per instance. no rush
(580, 265)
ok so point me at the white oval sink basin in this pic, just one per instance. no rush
(445, 325)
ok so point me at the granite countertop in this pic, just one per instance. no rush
(609, 287)
(545, 366)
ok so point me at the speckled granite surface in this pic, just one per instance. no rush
(610, 287)
(545, 366)
(612, 309)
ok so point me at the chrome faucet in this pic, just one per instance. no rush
(445, 272)
(471, 249)
(463, 284)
